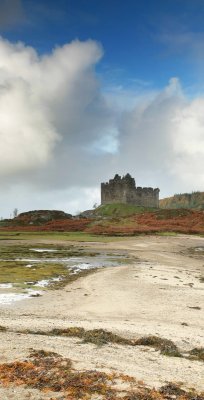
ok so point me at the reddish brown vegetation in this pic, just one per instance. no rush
(49, 372)
(183, 221)
(62, 225)
(178, 220)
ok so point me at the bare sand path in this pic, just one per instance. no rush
(160, 293)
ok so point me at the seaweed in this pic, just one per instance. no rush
(50, 372)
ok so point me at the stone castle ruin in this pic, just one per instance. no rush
(124, 190)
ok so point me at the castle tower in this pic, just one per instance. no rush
(124, 190)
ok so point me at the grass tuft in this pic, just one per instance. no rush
(98, 337)
(43, 354)
(166, 346)
(3, 328)
(120, 210)
(102, 337)
(197, 354)
(172, 389)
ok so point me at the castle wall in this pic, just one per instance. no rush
(112, 194)
(123, 190)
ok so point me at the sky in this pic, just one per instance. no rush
(93, 88)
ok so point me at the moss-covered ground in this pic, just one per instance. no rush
(24, 267)
(120, 210)
(8, 252)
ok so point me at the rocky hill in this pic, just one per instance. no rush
(36, 217)
(111, 219)
(194, 200)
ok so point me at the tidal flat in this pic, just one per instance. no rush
(138, 314)
(28, 270)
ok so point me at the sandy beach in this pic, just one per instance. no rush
(160, 293)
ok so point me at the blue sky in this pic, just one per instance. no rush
(140, 38)
(96, 88)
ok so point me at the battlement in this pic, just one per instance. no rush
(124, 190)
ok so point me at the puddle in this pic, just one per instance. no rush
(195, 251)
(98, 261)
(9, 298)
(81, 267)
(141, 245)
(67, 265)
(46, 282)
(44, 250)
(199, 248)
(6, 285)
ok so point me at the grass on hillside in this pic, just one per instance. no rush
(194, 200)
(120, 210)
(172, 213)
(114, 222)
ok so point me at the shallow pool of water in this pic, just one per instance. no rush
(11, 292)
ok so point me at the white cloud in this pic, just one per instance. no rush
(49, 103)
(164, 138)
(61, 136)
(27, 136)
(188, 144)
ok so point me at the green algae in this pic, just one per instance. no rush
(18, 273)
(21, 251)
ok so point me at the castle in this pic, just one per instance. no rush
(124, 190)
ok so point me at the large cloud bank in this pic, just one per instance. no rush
(61, 135)
(47, 102)
(165, 137)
